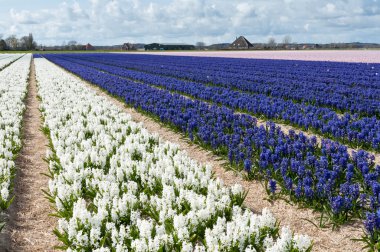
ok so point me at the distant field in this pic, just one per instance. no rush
(366, 56)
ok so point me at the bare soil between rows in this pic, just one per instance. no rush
(289, 215)
(29, 226)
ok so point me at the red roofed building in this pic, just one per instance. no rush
(89, 47)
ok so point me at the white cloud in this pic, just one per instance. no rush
(114, 9)
(330, 7)
(118, 21)
(26, 17)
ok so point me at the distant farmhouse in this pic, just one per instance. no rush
(168, 46)
(89, 47)
(128, 47)
(241, 43)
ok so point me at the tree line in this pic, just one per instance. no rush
(14, 43)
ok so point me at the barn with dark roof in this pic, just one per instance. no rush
(241, 43)
(128, 47)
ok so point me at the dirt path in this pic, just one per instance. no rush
(29, 226)
(289, 215)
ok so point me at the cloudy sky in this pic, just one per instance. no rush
(109, 22)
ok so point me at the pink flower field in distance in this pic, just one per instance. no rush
(365, 56)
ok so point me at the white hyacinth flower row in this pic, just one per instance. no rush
(6, 59)
(117, 187)
(13, 89)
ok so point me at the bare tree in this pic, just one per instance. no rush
(30, 43)
(200, 45)
(12, 42)
(23, 43)
(272, 43)
(72, 44)
(27, 42)
(286, 40)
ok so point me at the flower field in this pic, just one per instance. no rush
(307, 131)
(216, 103)
(320, 111)
(6, 59)
(364, 56)
(117, 187)
(13, 83)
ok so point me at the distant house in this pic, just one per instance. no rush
(89, 47)
(307, 46)
(128, 47)
(168, 46)
(241, 43)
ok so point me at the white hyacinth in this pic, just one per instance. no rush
(13, 89)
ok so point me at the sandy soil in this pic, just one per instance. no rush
(289, 215)
(365, 56)
(29, 226)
